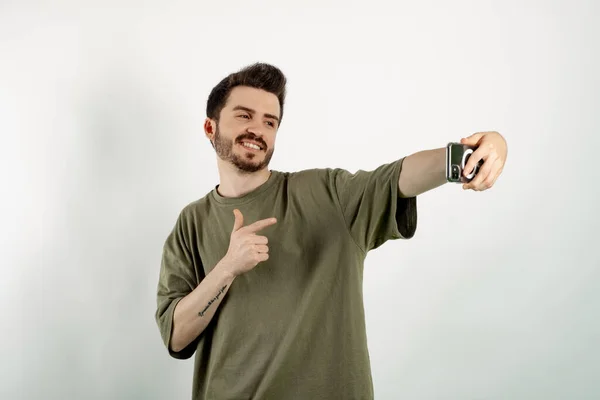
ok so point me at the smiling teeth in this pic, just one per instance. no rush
(250, 145)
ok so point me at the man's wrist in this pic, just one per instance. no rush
(225, 268)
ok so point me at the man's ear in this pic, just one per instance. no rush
(209, 129)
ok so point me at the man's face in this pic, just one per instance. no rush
(245, 134)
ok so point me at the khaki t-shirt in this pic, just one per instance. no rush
(294, 326)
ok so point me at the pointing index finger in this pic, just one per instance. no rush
(258, 225)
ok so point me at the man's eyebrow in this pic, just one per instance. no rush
(251, 111)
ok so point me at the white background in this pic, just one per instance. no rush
(101, 112)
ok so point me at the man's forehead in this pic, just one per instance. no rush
(256, 99)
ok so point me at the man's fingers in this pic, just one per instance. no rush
(486, 176)
(473, 139)
(260, 257)
(496, 171)
(474, 159)
(482, 174)
(258, 225)
(239, 220)
(259, 239)
(261, 248)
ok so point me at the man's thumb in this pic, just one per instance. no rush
(239, 220)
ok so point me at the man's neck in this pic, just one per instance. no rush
(235, 183)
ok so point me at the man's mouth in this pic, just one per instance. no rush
(251, 145)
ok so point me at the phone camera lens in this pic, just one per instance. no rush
(455, 171)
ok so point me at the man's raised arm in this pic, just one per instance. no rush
(426, 170)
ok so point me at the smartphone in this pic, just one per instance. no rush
(457, 155)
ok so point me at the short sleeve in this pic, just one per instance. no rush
(177, 279)
(372, 206)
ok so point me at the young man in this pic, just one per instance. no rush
(261, 278)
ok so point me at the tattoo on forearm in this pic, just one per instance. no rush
(201, 313)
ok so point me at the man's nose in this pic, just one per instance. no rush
(255, 129)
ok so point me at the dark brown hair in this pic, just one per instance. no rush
(259, 75)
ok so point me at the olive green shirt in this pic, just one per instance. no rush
(294, 326)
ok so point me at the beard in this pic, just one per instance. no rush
(245, 162)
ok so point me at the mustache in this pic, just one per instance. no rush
(250, 136)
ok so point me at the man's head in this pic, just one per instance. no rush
(244, 112)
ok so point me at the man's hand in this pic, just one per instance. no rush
(246, 248)
(492, 149)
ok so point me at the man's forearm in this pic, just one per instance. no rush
(194, 312)
(422, 171)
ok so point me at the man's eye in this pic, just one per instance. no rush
(270, 123)
(244, 116)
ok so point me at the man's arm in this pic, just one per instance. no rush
(426, 170)
(194, 312)
(422, 171)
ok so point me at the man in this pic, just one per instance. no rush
(261, 278)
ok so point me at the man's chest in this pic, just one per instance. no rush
(302, 234)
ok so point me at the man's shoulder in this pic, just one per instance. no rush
(317, 174)
(328, 178)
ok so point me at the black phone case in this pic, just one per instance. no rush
(457, 155)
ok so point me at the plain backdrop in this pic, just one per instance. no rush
(497, 297)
